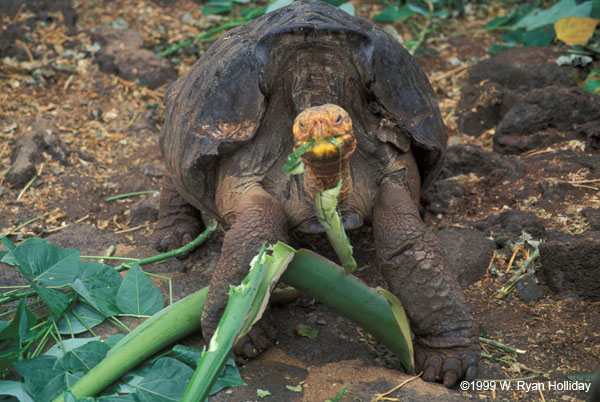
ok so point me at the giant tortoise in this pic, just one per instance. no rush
(312, 71)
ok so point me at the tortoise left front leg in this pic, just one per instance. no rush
(413, 263)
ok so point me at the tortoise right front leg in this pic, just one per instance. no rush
(178, 222)
(259, 219)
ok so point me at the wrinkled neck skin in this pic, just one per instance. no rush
(316, 75)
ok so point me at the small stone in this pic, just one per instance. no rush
(529, 289)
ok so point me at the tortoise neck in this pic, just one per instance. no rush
(324, 174)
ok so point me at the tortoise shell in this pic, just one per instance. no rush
(220, 104)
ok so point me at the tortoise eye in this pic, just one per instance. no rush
(301, 126)
(338, 120)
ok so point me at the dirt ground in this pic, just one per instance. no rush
(523, 156)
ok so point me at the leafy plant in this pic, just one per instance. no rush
(528, 25)
(67, 296)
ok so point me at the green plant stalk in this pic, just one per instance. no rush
(327, 282)
(308, 272)
(246, 305)
(329, 216)
(212, 226)
(165, 327)
(127, 195)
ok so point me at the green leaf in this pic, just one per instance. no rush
(277, 4)
(339, 395)
(57, 301)
(261, 393)
(89, 317)
(15, 389)
(8, 243)
(297, 388)
(403, 325)
(216, 10)
(230, 377)
(137, 295)
(69, 397)
(98, 284)
(44, 377)
(113, 340)
(186, 354)
(165, 382)
(564, 8)
(349, 8)
(20, 325)
(307, 331)
(294, 164)
(542, 36)
(498, 48)
(46, 263)
(72, 378)
(393, 14)
(329, 216)
(85, 357)
(69, 344)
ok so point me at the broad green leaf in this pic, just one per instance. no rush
(69, 397)
(8, 243)
(393, 14)
(85, 357)
(44, 377)
(3, 253)
(20, 325)
(57, 301)
(90, 319)
(564, 8)
(230, 377)
(575, 30)
(166, 381)
(113, 340)
(72, 378)
(69, 344)
(307, 331)
(542, 36)
(348, 7)
(46, 263)
(403, 324)
(15, 389)
(186, 354)
(294, 164)
(137, 295)
(98, 284)
(277, 4)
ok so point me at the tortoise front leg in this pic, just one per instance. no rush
(259, 218)
(413, 263)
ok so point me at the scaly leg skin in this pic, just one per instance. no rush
(259, 218)
(178, 222)
(413, 263)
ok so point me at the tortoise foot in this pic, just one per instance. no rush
(254, 343)
(449, 365)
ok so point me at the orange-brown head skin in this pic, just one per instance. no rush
(319, 123)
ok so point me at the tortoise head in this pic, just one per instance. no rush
(322, 160)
